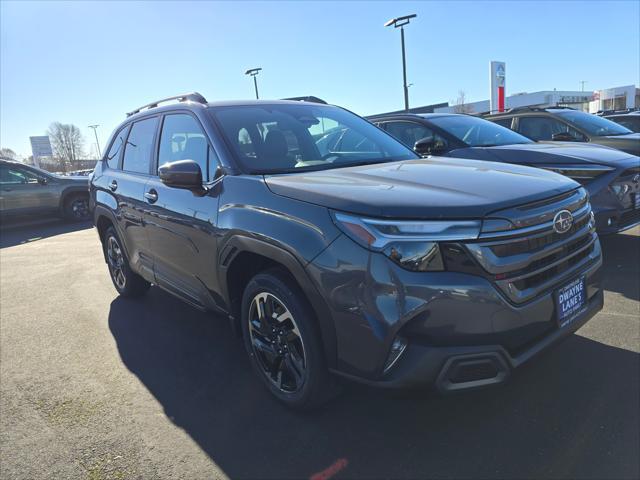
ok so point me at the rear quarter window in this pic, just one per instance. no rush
(113, 155)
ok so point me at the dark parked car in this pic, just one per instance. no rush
(368, 262)
(30, 191)
(611, 176)
(568, 125)
(628, 119)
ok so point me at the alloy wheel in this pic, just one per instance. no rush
(80, 208)
(277, 343)
(116, 262)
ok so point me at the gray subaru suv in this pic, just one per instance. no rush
(363, 261)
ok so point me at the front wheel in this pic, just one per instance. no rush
(283, 341)
(127, 283)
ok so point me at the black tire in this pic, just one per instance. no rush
(317, 386)
(76, 207)
(127, 283)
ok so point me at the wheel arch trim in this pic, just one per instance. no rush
(243, 244)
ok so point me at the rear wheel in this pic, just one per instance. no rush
(127, 283)
(76, 207)
(283, 341)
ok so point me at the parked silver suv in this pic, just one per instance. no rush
(29, 191)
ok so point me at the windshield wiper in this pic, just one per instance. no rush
(363, 162)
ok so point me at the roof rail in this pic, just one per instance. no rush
(309, 98)
(185, 97)
(527, 108)
(621, 111)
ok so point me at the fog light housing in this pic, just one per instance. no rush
(397, 349)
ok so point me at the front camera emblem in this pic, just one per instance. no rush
(562, 221)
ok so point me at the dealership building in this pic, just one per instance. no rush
(617, 98)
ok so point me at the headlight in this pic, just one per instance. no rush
(411, 244)
(580, 173)
(620, 190)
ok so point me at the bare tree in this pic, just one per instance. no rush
(67, 142)
(8, 154)
(461, 106)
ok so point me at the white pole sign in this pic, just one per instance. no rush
(40, 147)
(498, 78)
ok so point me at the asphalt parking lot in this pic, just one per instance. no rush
(95, 386)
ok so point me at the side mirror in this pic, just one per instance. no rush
(42, 180)
(563, 137)
(430, 146)
(181, 174)
(218, 172)
(424, 146)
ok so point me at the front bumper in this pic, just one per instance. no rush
(453, 321)
(609, 221)
(459, 368)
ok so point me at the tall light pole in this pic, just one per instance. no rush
(95, 132)
(582, 82)
(401, 22)
(254, 72)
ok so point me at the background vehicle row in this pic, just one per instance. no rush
(611, 176)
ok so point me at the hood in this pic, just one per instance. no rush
(561, 153)
(74, 179)
(629, 137)
(428, 188)
(629, 143)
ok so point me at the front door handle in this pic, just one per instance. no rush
(113, 185)
(151, 196)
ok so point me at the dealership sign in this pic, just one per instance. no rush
(41, 147)
(498, 78)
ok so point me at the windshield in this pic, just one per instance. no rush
(477, 132)
(592, 124)
(279, 138)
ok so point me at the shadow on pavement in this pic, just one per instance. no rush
(13, 233)
(572, 413)
(621, 255)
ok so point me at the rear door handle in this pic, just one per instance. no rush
(113, 185)
(151, 196)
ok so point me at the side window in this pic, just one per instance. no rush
(113, 155)
(183, 139)
(543, 128)
(505, 122)
(16, 176)
(137, 152)
(632, 123)
(408, 132)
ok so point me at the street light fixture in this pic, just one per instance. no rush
(401, 22)
(95, 132)
(253, 72)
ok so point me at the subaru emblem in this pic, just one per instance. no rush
(562, 221)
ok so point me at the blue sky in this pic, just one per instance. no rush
(90, 62)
